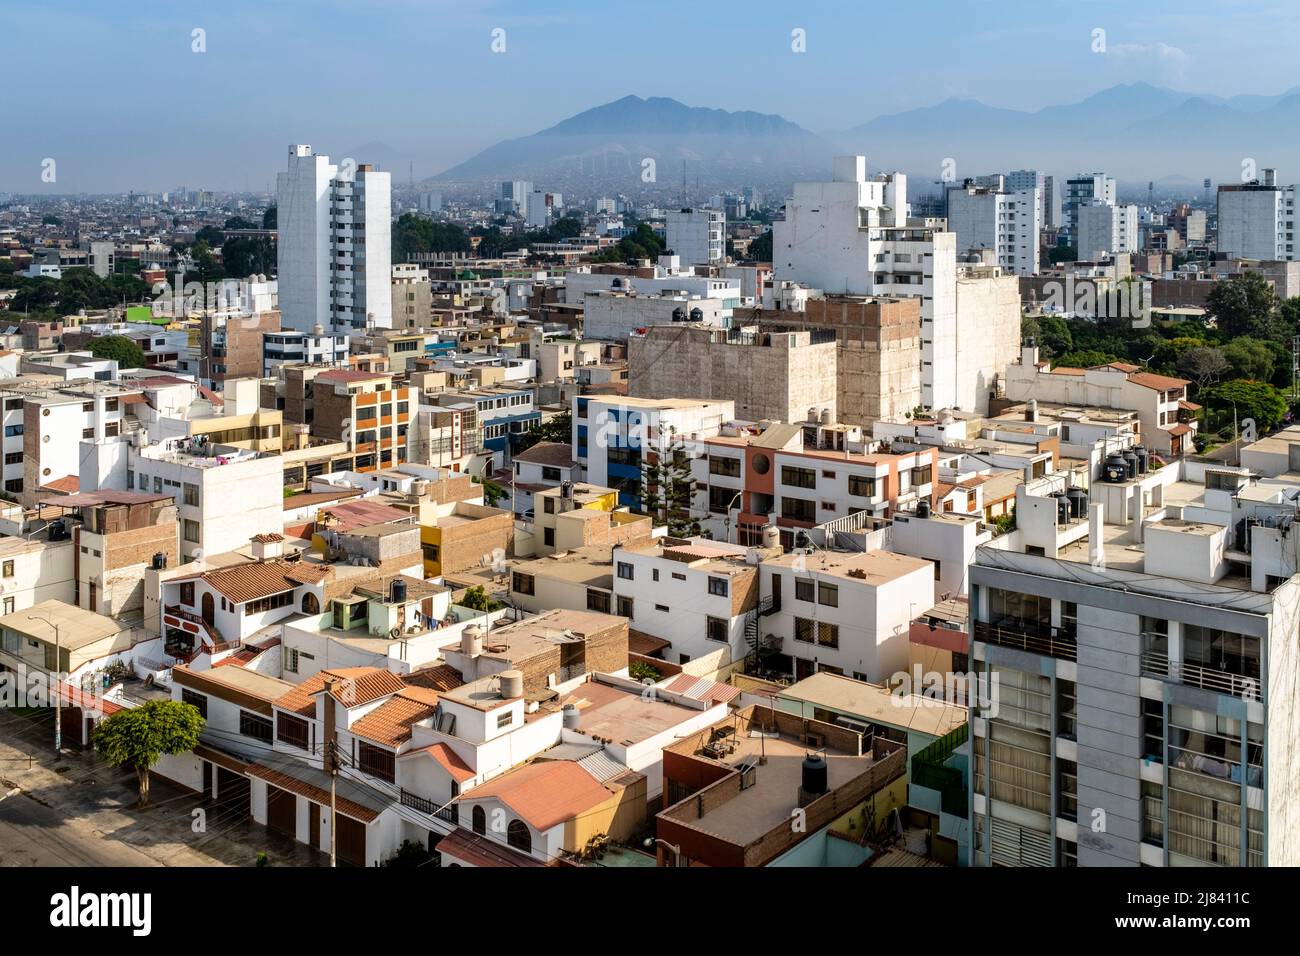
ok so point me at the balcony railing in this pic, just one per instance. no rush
(1158, 664)
(1052, 643)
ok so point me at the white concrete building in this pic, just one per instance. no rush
(1081, 190)
(853, 235)
(334, 251)
(1106, 229)
(1257, 219)
(698, 237)
(294, 348)
(1049, 207)
(614, 315)
(1007, 221)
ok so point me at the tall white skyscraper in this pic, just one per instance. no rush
(334, 244)
(1257, 219)
(1048, 211)
(697, 236)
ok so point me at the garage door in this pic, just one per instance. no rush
(352, 841)
(233, 790)
(282, 810)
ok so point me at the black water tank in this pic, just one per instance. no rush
(1131, 463)
(1078, 499)
(1115, 469)
(697, 315)
(399, 592)
(159, 562)
(679, 314)
(814, 774)
(923, 508)
(1144, 459)
(58, 530)
(1062, 509)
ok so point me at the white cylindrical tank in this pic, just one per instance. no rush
(572, 717)
(512, 684)
(471, 641)
(771, 536)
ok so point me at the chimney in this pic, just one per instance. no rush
(1096, 525)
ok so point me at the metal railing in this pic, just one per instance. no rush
(1051, 643)
(1158, 664)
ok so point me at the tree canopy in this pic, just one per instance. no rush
(139, 736)
(127, 353)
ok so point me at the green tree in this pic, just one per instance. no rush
(211, 235)
(1055, 337)
(556, 429)
(1087, 358)
(760, 250)
(246, 256)
(667, 487)
(127, 353)
(1243, 305)
(1249, 358)
(271, 218)
(1258, 401)
(239, 222)
(477, 599)
(139, 736)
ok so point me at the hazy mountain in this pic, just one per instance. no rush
(610, 142)
(1135, 131)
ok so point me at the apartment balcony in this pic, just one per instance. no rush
(1050, 642)
(1158, 664)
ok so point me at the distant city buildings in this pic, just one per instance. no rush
(1257, 220)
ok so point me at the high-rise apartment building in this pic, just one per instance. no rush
(698, 237)
(1257, 219)
(1106, 228)
(1081, 190)
(1007, 221)
(334, 253)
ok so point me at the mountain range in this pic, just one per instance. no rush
(1137, 132)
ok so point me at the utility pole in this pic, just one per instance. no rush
(56, 680)
(332, 764)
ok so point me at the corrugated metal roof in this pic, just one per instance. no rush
(602, 766)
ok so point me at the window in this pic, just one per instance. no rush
(377, 762)
(251, 725)
(625, 571)
(862, 486)
(726, 467)
(805, 631)
(187, 594)
(550, 474)
(798, 509)
(519, 836)
(654, 574)
(14, 458)
(921, 475)
(803, 589)
(828, 635)
(625, 607)
(597, 601)
(88, 433)
(191, 495)
(548, 537)
(505, 719)
(198, 701)
(718, 586)
(9, 569)
(716, 629)
(291, 660)
(190, 530)
(478, 820)
(828, 594)
(798, 477)
(291, 730)
(262, 605)
(522, 583)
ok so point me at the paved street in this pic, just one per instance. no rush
(78, 811)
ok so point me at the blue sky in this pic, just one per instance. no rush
(113, 91)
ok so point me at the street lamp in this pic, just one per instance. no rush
(726, 524)
(677, 850)
(58, 691)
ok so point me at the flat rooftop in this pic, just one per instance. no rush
(873, 567)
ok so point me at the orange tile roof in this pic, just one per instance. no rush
(390, 723)
(360, 514)
(360, 685)
(544, 794)
(439, 677)
(259, 579)
(1161, 383)
(451, 761)
(311, 792)
(1066, 370)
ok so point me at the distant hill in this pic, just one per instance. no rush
(612, 140)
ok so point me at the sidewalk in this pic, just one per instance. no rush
(97, 802)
